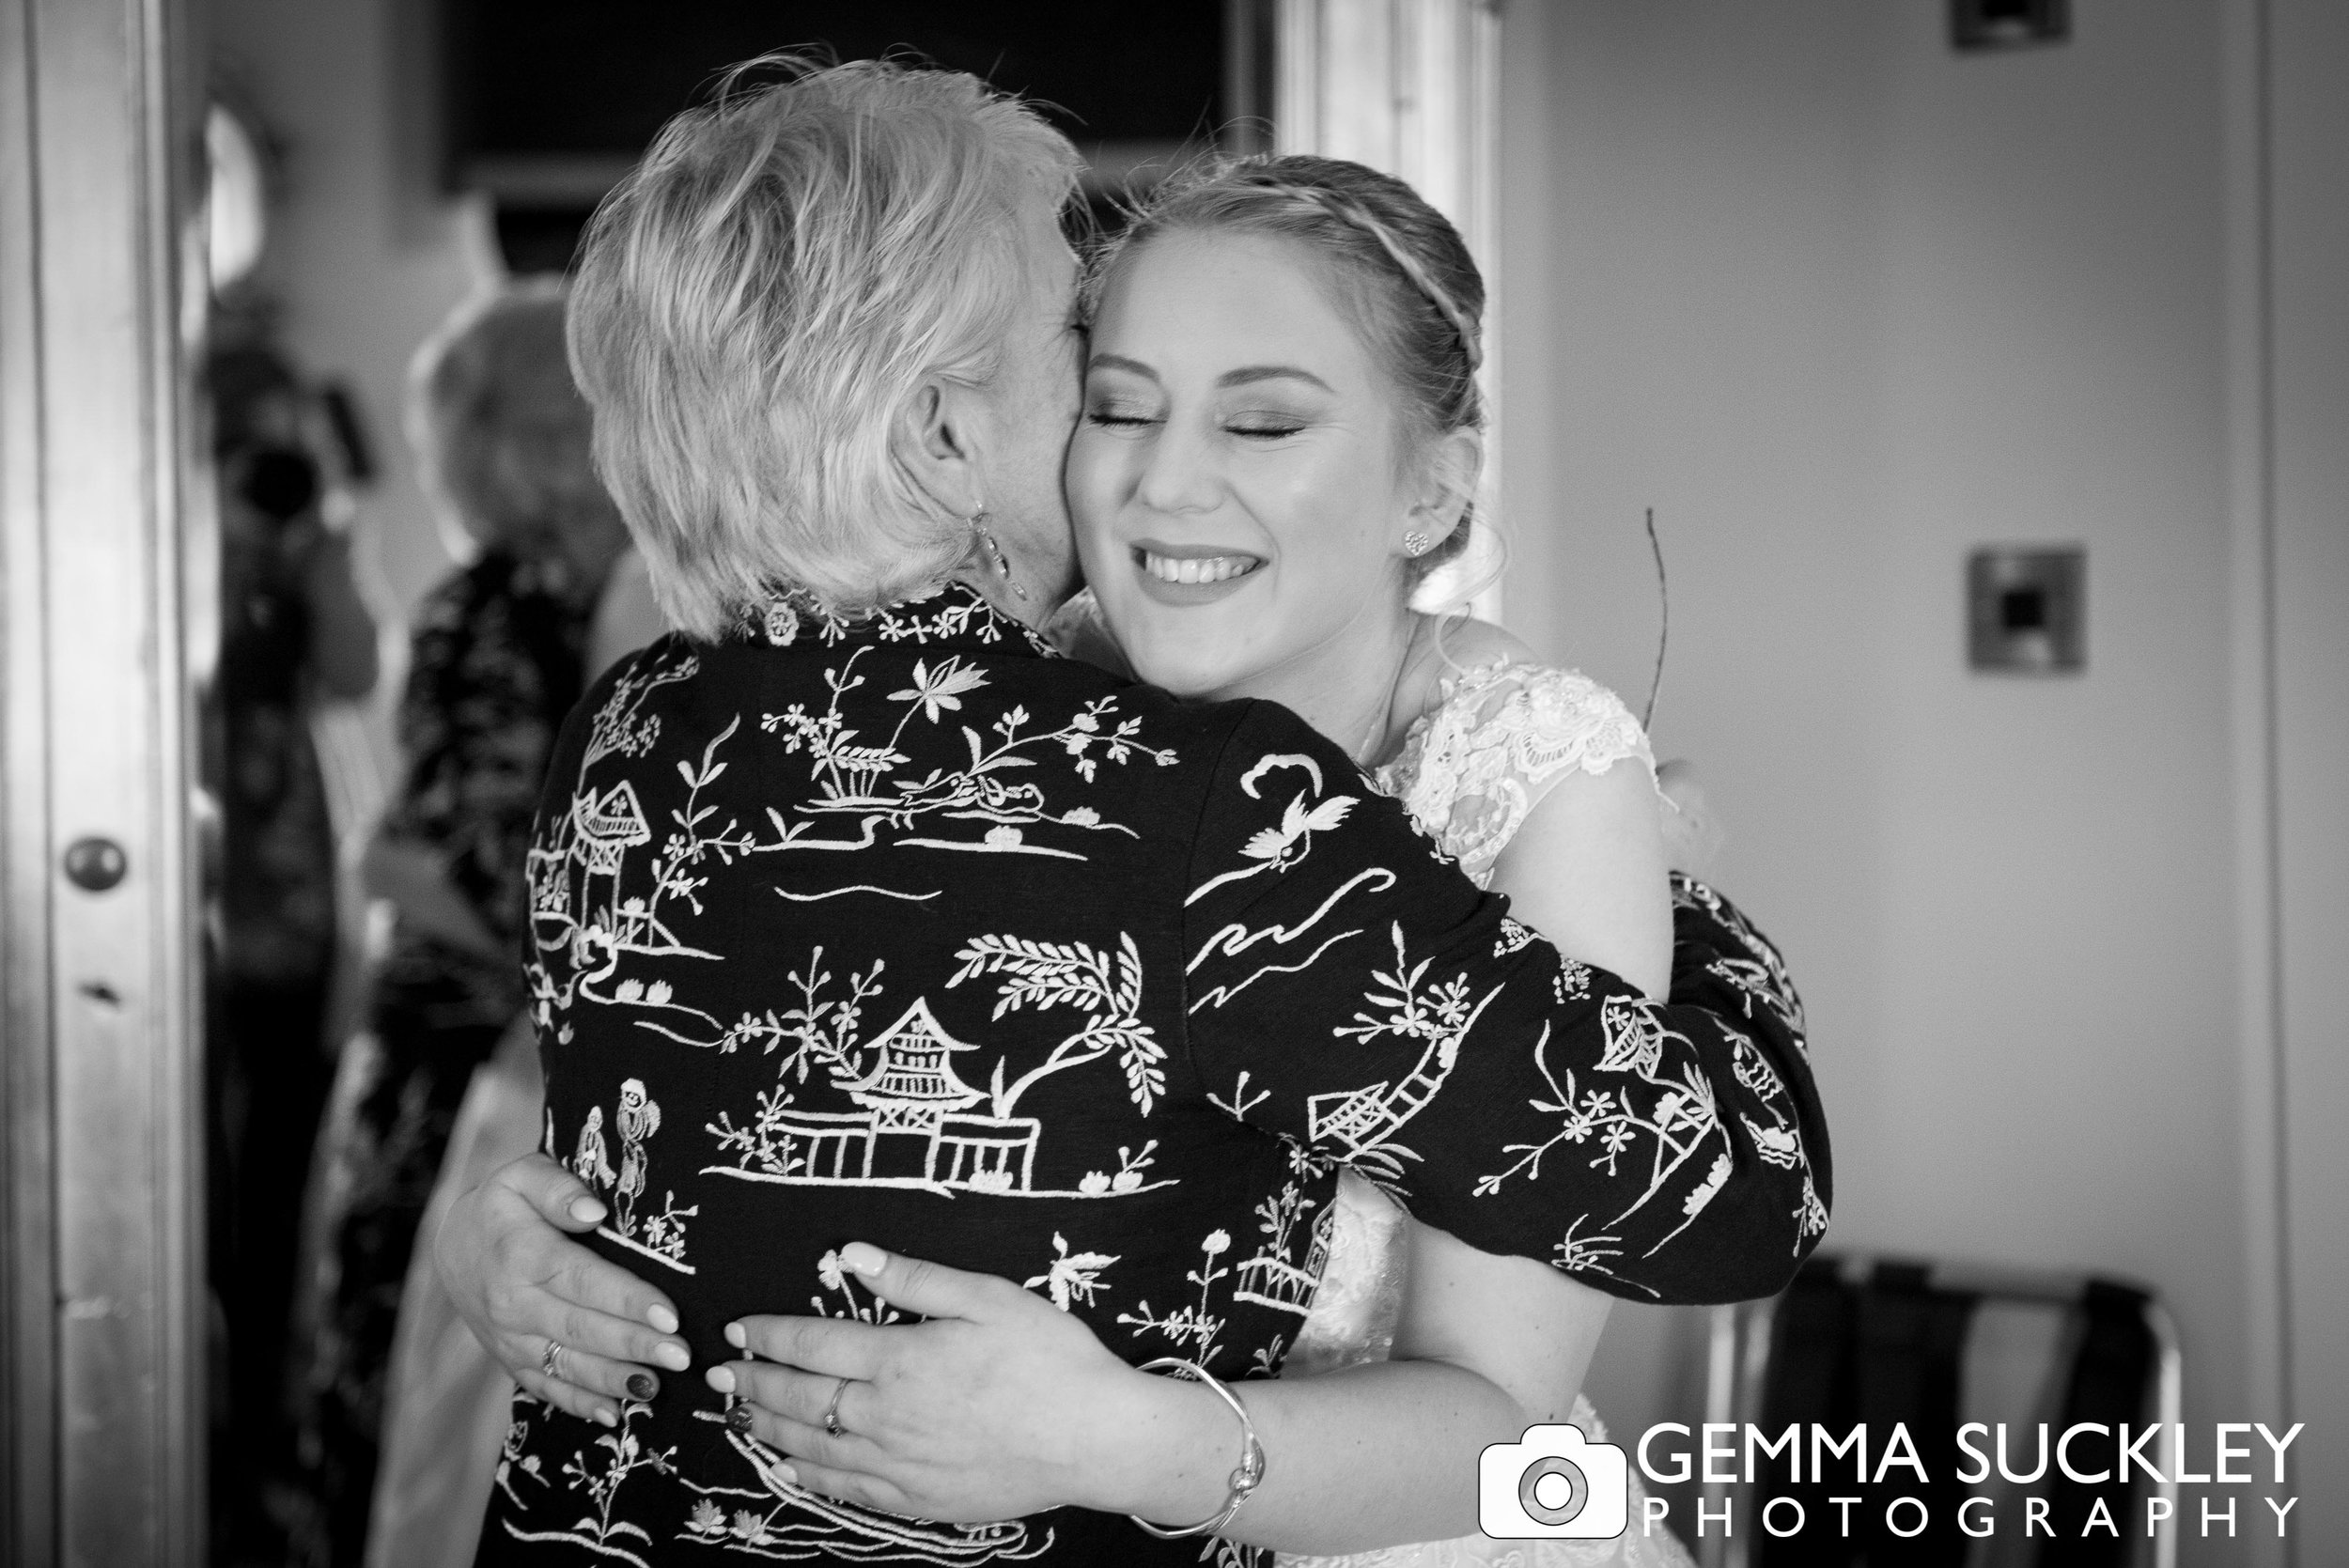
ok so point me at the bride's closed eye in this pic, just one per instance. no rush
(1117, 419)
(1263, 426)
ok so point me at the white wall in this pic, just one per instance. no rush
(2308, 520)
(1842, 304)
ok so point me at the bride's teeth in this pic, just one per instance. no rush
(1196, 568)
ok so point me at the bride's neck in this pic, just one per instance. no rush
(1353, 686)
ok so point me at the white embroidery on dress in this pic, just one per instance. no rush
(1278, 849)
(581, 872)
(1360, 1123)
(658, 1236)
(600, 1479)
(1072, 1275)
(920, 1124)
(1193, 1327)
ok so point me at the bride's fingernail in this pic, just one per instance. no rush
(663, 1320)
(739, 1418)
(675, 1356)
(641, 1385)
(863, 1258)
(737, 1337)
(719, 1378)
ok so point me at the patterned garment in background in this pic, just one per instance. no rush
(906, 930)
(496, 665)
(1501, 736)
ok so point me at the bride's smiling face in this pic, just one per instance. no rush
(1238, 475)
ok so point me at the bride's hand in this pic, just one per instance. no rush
(1000, 1405)
(519, 1283)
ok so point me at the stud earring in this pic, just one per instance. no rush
(1416, 543)
(977, 521)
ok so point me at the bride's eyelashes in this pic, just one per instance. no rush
(1263, 426)
(1252, 426)
(1117, 419)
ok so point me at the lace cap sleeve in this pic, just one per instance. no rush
(1500, 738)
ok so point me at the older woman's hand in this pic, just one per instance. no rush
(521, 1285)
(1000, 1405)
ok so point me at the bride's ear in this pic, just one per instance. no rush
(1447, 483)
(933, 442)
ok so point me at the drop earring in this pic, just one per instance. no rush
(995, 554)
(1415, 544)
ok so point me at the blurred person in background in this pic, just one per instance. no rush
(446, 1405)
(502, 437)
(295, 630)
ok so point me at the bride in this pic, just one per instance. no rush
(1280, 391)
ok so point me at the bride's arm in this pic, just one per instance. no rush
(1587, 870)
(1000, 1404)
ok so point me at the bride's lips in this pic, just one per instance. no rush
(1190, 574)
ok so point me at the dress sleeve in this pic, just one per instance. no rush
(1504, 736)
(1348, 990)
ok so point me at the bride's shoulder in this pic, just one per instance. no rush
(1477, 671)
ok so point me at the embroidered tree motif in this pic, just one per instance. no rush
(1071, 974)
(1679, 1122)
(1191, 1325)
(1269, 1279)
(850, 773)
(624, 1454)
(1360, 1124)
(592, 904)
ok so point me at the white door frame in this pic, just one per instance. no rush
(102, 1421)
(1411, 87)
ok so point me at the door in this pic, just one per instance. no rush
(100, 1434)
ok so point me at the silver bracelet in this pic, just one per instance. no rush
(1245, 1478)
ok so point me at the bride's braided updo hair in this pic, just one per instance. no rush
(1416, 290)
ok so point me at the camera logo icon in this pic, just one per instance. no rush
(1553, 1483)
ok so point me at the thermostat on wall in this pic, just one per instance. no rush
(2026, 610)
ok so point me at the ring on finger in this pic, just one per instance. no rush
(831, 1411)
(551, 1360)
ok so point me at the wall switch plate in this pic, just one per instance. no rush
(1977, 25)
(2026, 610)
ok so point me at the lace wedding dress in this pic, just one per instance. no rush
(1501, 736)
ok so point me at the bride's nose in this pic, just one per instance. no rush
(1179, 473)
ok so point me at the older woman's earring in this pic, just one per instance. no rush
(995, 554)
(1416, 543)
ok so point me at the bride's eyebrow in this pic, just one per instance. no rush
(1249, 374)
(1119, 362)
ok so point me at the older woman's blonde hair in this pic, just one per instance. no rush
(759, 301)
(502, 435)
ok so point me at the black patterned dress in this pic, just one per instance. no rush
(495, 667)
(906, 931)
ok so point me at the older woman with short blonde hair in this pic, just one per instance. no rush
(765, 297)
(863, 925)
